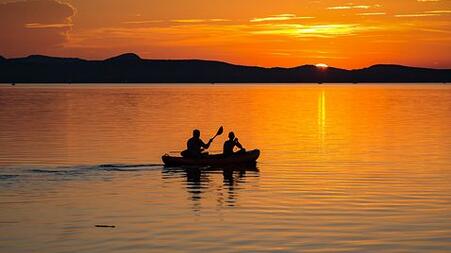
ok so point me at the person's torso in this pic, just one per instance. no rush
(194, 144)
(228, 147)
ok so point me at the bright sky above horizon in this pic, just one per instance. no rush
(347, 34)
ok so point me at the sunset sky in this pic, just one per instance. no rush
(347, 34)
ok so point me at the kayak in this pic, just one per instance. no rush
(212, 160)
(248, 157)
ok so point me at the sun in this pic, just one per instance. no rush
(322, 66)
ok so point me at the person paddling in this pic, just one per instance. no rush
(195, 146)
(230, 144)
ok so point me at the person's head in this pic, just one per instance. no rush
(231, 135)
(196, 133)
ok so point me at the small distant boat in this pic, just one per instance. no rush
(248, 157)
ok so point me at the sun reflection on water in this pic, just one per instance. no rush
(322, 117)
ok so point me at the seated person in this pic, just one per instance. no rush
(195, 146)
(230, 144)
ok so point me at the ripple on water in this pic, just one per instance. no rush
(343, 169)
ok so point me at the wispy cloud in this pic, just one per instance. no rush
(323, 31)
(435, 30)
(353, 6)
(414, 15)
(433, 13)
(280, 17)
(199, 20)
(142, 22)
(371, 14)
(181, 21)
(310, 53)
(46, 26)
(439, 12)
(349, 7)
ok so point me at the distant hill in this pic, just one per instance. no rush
(133, 69)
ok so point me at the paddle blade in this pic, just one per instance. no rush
(220, 131)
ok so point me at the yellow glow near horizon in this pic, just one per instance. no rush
(322, 65)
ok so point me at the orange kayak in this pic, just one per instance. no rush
(247, 157)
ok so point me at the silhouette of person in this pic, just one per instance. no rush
(195, 146)
(230, 144)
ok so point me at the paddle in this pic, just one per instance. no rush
(219, 132)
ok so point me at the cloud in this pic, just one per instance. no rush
(280, 17)
(349, 7)
(371, 14)
(142, 22)
(311, 31)
(439, 12)
(168, 23)
(190, 21)
(417, 15)
(43, 26)
(433, 13)
(352, 6)
(33, 26)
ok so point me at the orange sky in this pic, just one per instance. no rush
(348, 34)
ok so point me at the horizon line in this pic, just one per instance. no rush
(219, 61)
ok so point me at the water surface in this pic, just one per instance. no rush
(344, 168)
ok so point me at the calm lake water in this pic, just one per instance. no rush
(344, 168)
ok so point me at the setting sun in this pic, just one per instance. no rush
(322, 66)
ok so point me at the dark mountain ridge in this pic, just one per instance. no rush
(132, 68)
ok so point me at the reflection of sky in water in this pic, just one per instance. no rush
(356, 169)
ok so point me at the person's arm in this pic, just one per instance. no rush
(206, 146)
(238, 144)
(188, 145)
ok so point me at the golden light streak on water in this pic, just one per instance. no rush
(344, 168)
(322, 111)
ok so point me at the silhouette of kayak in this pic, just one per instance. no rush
(213, 160)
